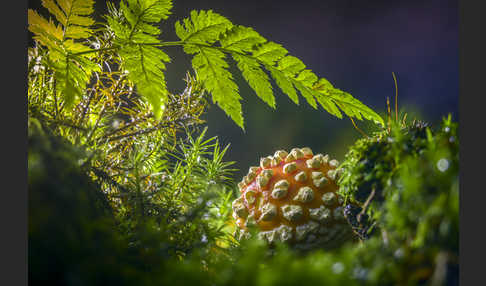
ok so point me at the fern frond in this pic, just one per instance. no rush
(202, 27)
(331, 97)
(72, 72)
(212, 70)
(56, 11)
(251, 51)
(284, 83)
(205, 28)
(144, 63)
(73, 15)
(241, 38)
(45, 32)
(256, 78)
(269, 53)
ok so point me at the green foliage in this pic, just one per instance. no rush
(180, 195)
(123, 193)
(157, 236)
(70, 60)
(251, 51)
(70, 221)
(144, 63)
(205, 28)
(86, 226)
(162, 183)
(403, 184)
(154, 173)
(132, 36)
(371, 165)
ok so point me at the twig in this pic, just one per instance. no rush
(365, 205)
(86, 107)
(97, 122)
(145, 131)
(125, 126)
(103, 175)
(58, 122)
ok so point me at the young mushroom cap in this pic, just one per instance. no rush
(292, 197)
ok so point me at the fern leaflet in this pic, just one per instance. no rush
(72, 71)
(204, 29)
(243, 38)
(136, 36)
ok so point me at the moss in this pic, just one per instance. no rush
(74, 239)
(406, 180)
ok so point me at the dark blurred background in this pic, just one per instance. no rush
(356, 45)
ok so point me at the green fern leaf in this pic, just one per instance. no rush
(324, 89)
(269, 53)
(304, 82)
(330, 97)
(72, 71)
(306, 93)
(46, 32)
(290, 65)
(212, 70)
(55, 10)
(73, 15)
(144, 63)
(355, 108)
(284, 73)
(241, 39)
(284, 83)
(204, 29)
(330, 106)
(256, 78)
(72, 75)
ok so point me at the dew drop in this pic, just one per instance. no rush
(337, 267)
(443, 165)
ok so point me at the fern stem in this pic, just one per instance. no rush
(93, 51)
(162, 44)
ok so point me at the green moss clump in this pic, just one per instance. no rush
(371, 169)
(402, 191)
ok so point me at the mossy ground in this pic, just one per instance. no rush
(74, 238)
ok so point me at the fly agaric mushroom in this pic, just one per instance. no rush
(291, 197)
